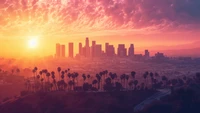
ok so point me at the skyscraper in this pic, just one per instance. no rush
(80, 49)
(58, 50)
(62, 50)
(98, 51)
(93, 48)
(106, 48)
(131, 50)
(110, 51)
(87, 47)
(146, 53)
(121, 51)
(71, 50)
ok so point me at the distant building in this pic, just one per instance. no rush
(58, 48)
(71, 50)
(62, 50)
(87, 47)
(110, 51)
(131, 50)
(121, 51)
(106, 48)
(80, 49)
(159, 55)
(93, 48)
(98, 51)
(146, 53)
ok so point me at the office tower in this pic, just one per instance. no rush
(106, 48)
(62, 50)
(93, 48)
(87, 47)
(110, 51)
(71, 50)
(131, 50)
(80, 49)
(146, 53)
(121, 51)
(58, 50)
(98, 51)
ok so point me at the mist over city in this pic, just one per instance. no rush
(99, 56)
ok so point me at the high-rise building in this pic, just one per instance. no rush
(87, 47)
(106, 48)
(62, 50)
(71, 50)
(110, 51)
(98, 51)
(93, 48)
(80, 49)
(131, 50)
(146, 53)
(121, 51)
(58, 48)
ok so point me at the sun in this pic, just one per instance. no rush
(33, 42)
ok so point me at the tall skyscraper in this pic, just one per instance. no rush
(146, 53)
(62, 50)
(93, 48)
(98, 50)
(71, 50)
(131, 50)
(87, 47)
(80, 49)
(121, 51)
(106, 48)
(58, 48)
(110, 51)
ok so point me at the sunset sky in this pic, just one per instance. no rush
(152, 24)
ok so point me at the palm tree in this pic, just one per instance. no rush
(135, 82)
(133, 74)
(62, 75)
(99, 80)
(131, 84)
(152, 78)
(88, 76)
(84, 77)
(122, 77)
(127, 78)
(145, 78)
(48, 75)
(94, 82)
(59, 69)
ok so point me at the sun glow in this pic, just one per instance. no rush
(33, 42)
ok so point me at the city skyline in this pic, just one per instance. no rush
(94, 50)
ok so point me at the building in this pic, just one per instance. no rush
(98, 51)
(159, 55)
(106, 48)
(146, 53)
(62, 50)
(58, 48)
(131, 50)
(80, 49)
(71, 50)
(121, 51)
(110, 51)
(93, 48)
(87, 48)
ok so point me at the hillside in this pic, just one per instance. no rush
(77, 102)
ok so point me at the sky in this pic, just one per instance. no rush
(154, 24)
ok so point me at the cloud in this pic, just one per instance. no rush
(72, 16)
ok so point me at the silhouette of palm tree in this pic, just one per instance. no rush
(59, 69)
(99, 80)
(127, 78)
(94, 82)
(133, 74)
(135, 82)
(48, 75)
(88, 76)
